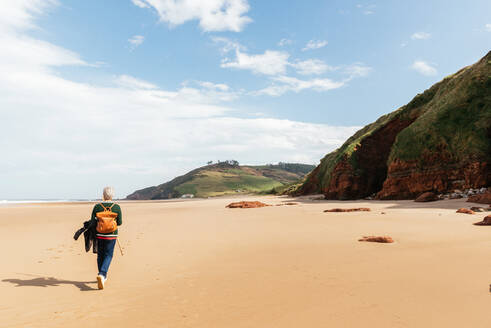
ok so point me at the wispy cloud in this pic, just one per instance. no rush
(140, 3)
(136, 41)
(420, 36)
(366, 9)
(314, 44)
(357, 70)
(487, 27)
(287, 83)
(285, 42)
(131, 82)
(424, 68)
(213, 16)
(276, 64)
(311, 67)
(271, 62)
(227, 45)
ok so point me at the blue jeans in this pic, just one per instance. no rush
(105, 250)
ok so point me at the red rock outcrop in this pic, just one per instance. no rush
(465, 211)
(485, 221)
(427, 197)
(481, 198)
(254, 204)
(371, 156)
(377, 239)
(360, 209)
(406, 180)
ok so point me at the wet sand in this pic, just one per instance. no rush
(197, 264)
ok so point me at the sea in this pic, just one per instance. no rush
(33, 201)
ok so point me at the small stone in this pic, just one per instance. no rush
(360, 209)
(465, 211)
(254, 204)
(456, 196)
(485, 221)
(377, 239)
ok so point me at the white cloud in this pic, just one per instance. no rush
(311, 67)
(366, 9)
(487, 27)
(357, 70)
(213, 15)
(283, 84)
(19, 14)
(287, 83)
(276, 63)
(214, 86)
(269, 63)
(136, 40)
(285, 42)
(424, 68)
(56, 132)
(207, 92)
(140, 3)
(420, 36)
(134, 83)
(315, 44)
(228, 45)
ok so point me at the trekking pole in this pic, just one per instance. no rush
(120, 249)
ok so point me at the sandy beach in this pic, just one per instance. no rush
(198, 264)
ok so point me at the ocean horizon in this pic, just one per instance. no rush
(24, 201)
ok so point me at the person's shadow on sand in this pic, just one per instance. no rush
(51, 281)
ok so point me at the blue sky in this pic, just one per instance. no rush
(133, 92)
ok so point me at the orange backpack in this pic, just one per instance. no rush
(106, 220)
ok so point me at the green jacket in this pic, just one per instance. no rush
(119, 219)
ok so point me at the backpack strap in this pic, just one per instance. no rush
(107, 208)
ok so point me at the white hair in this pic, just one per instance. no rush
(108, 193)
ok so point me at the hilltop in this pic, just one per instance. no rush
(227, 178)
(440, 141)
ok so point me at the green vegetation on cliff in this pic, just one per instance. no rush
(457, 119)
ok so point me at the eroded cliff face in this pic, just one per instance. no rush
(365, 171)
(407, 180)
(439, 142)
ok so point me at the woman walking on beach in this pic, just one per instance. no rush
(108, 217)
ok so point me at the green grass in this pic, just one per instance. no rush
(457, 121)
(211, 183)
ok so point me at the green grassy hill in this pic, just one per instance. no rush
(440, 141)
(225, 179)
